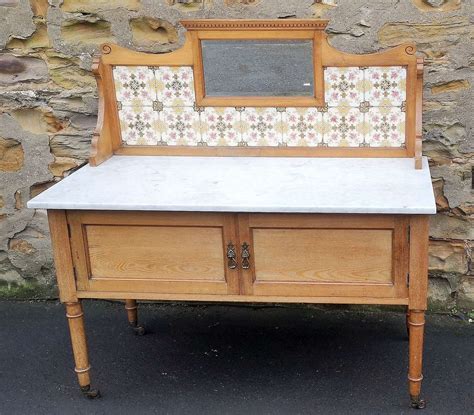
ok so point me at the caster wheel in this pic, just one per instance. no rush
(138, 330)
(90, 393)
(418, 403)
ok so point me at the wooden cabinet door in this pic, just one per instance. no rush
(160, 252)
(325, 255)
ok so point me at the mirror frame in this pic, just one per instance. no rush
(294, 29)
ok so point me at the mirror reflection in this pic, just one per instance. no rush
(277, 68)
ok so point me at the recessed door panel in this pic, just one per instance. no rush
(157, 252)
(325, 255)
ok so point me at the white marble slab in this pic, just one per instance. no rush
(246, 184)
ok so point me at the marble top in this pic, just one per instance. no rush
(246, 184)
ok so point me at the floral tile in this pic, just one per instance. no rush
(140, 125)
(385, 127)
(260, 127)
(385, 86)
(175, 86)
(220, 126)
(134, 85)
(302, 127)
(181, 126)
(344, 86)
(343, 127)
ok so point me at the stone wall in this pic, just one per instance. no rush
(48, 106)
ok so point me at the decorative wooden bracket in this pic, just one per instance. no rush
(419, 113)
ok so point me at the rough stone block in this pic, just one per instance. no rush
(77, 32)
(437, 5)
(38, 121)
(440, 33)
(451, 227)
(92, 6)
(440, 294)
(11, 155)
(245, 2)
(71, 145)
(450, 86)
(15, 69)
(148, 32)
(38, 40)
(39, 7)
(466, 293)
(61, 165)
(9, 3)
(187, 6)
(448, 256)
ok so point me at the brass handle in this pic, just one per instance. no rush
(245, 256)
(231, 262)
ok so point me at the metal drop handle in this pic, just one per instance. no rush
(231, 261)
(245, 255)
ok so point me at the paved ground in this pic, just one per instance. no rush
(230, 360)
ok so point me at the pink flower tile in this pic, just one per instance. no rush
(220, 126)
(181, 126)
(139, 126)
(260, 127)
(175, 86)
(385, 86)
(343, 86)
(302, 127)
(343, 127)
(134, 85)
(385, 127)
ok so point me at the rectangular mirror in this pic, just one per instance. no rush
(258, 68)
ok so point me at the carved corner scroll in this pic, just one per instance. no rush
(419, 113)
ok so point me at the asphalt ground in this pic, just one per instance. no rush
(228, 359)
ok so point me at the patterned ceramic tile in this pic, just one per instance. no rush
(343, 127)
(134, 85)
(156, 107)
(302, 127)
(385, 86)
(385, 127)
(344, 86)
(181, 126)
(261, 127)
(220, 126)
(175, 86)
(140, 125)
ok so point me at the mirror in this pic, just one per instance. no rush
(258, 68)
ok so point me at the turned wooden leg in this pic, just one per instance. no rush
(75, 318)
(131, 307)
(407, 318)
(416, 323)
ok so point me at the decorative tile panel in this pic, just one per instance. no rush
(260, 127)
(385, 127)
(302, 127)
(175, 86)
(343, 127)
(385, 86)
(140, 125)
(344, 86)
(134, 85)
(220, 126)
(181, 127)
(365, 107)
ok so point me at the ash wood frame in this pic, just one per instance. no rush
(68, 238)
(107, 138)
